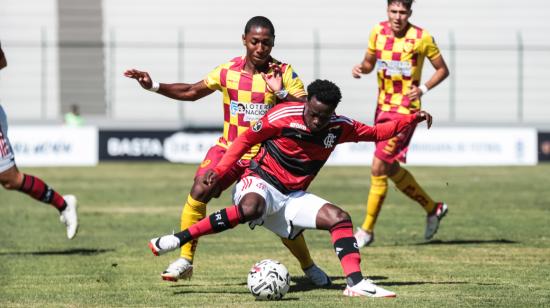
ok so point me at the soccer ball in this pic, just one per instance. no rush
(268, 280)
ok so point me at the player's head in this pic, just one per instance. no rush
(259, 39)
(399, 12)
(323, 97)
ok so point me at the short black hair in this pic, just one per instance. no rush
(406, 3)
(325, 91)
(259, 21)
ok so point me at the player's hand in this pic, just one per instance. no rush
(210, 178)
(422, 116)
(143, 78)
(274, 80)
(356, 71)
(414, 93)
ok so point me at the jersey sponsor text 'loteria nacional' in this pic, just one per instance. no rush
(399, 64)
(246, 97)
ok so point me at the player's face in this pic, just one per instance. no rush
(398, 16)
(258, 42)
(317, 115)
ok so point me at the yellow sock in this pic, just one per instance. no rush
(377, 194)
(298, 248)
(406, 183)
(193, 211)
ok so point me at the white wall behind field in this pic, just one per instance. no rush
(145, 35)
(29, 84)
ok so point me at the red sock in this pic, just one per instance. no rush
(37, 189)
(346, 249)
(217, 222)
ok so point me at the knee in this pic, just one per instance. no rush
(340, 215)
(252, 209)
(380, 168)
(202, 192)
(9, 184)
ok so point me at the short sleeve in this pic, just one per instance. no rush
(372, 41)
(212, 80)
(430, 47)
(292, 83)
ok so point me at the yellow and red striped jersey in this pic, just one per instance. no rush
(399, 63)
(246, 97)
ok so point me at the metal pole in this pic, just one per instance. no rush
(452, 79)
(316, 54)
(110, 74)
(520, 77)
(43, 74)
(180, 49)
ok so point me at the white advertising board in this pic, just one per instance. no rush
(54, 145)
(454, 147)
(188, 148)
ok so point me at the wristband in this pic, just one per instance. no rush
(155, 87)
(423, 88)
(281, 94)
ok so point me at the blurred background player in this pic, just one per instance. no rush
(399, 49)
(247, 84)
(73, 117)
(297, 139)
(12, 179)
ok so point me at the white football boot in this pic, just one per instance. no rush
(432, 221)
(179, 269)
(367, 288)
(164, 244)
(363, 237)
(317, 276)
(69, 217)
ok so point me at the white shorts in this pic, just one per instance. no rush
(6, 153)
(285, 215)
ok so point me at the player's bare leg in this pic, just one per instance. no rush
(12, 179)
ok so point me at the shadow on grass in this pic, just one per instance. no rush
(66, 252)
(467, 242)
(230, 292)
(413, 283)
(185, 285)
(183, 292)
(302, 284)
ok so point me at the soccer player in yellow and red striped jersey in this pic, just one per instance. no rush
(397, 49)
(249, 90)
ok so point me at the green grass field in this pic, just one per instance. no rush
(493, 248)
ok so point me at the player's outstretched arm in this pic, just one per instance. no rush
(386, 130)
(422, 116)
(179, 91)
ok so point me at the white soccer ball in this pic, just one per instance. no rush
(268, 280)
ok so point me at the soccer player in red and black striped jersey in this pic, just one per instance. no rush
(12, 179)
(248, 92)
(398, 49)
(297, 139)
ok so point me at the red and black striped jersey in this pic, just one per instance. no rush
(291, 155)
